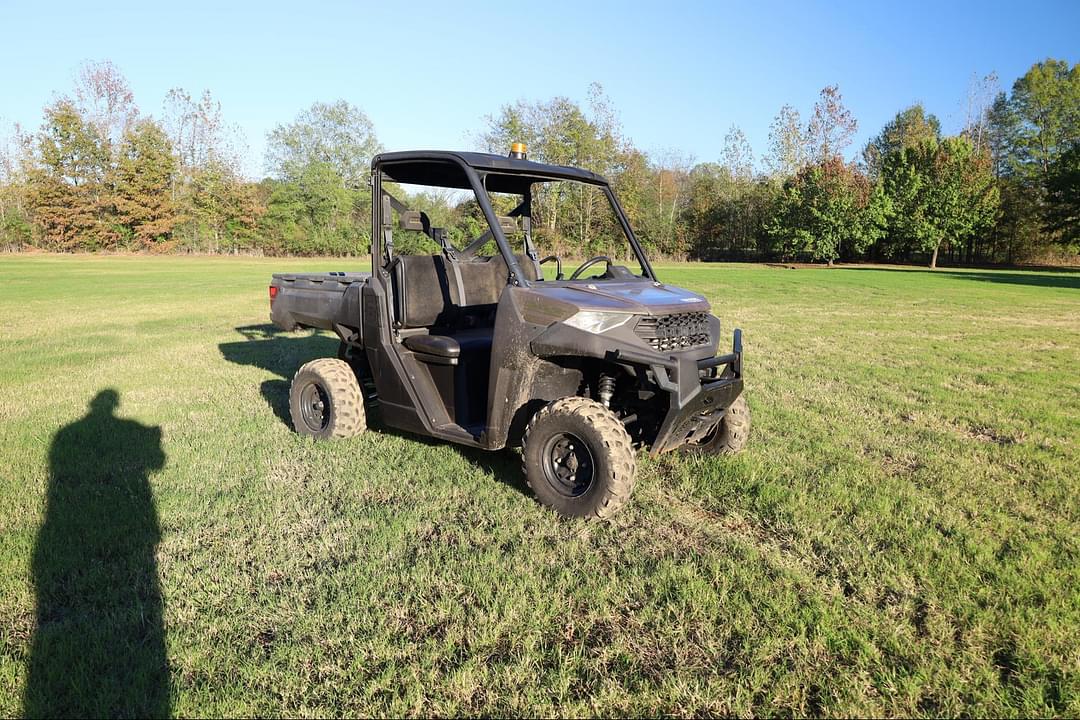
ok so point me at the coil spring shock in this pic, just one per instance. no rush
(605, 390)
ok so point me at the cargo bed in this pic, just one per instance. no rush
(327, 301)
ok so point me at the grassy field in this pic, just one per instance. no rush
(902, 536)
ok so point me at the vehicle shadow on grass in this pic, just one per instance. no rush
(98, 648)
(282, 353)
(1055, 278)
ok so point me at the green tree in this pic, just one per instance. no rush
(707, 185)
(145, 172)
(1046, 105)
(559, 131)
(724, 213)
(631, 182)
(70, 173)
(1030, 133)
(1063, 198)
(826, 210)
(1018, 231)
(16, 230)
(224, 209)
(562, 132)
(338, 135)
(666, 196)
(724, 204)
(320, 200)
(1032, 130)
(939, 192)
(910, 128)
(313, 213)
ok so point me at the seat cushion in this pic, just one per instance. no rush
(451, 346)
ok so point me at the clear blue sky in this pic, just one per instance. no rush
(427, 73)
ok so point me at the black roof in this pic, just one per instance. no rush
(504, 174)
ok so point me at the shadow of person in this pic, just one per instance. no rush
(99, 645)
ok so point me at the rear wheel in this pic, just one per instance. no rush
(578, 458)
(729, 436)
(325, 400)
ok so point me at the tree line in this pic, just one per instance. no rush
(100, 174)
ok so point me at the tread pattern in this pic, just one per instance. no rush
(733, 432)
(736, 428)
(619, 484)
(348, 418)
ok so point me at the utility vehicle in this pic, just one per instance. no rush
(472, 332)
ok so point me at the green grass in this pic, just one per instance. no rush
(902, 536)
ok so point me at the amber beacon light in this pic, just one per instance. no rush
(517, 151)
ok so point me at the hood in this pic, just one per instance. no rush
(642, 297)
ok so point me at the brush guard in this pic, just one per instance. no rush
(701, 391)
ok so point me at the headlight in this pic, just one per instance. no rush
(597, 322)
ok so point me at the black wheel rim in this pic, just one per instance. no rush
(568, 465)
(315, 407)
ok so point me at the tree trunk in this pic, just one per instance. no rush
(933, 259)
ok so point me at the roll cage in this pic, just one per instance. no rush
(481, 173)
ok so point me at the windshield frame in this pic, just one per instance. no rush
(477, 181)
(613, 201)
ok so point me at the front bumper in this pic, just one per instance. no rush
(699, 389)
(699, 395)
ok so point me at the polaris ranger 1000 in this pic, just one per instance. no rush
(457, 333)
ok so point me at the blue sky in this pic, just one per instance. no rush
(679, 73)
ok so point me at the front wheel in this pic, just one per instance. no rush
(578, 458)
(325, 400)
(729, 435)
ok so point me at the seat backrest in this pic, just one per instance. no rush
(426, 291)
(421, 292)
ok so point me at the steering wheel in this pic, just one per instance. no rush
(588, 264)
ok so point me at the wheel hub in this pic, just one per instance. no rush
(568, 465)
(315, 407)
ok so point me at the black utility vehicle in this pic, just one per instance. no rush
(463, 338)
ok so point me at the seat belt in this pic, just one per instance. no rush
(443, 238)
(388, 226)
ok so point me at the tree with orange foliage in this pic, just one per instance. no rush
(67, 186)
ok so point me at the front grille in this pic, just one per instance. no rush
(674, 332)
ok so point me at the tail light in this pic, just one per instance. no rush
(273, 294)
